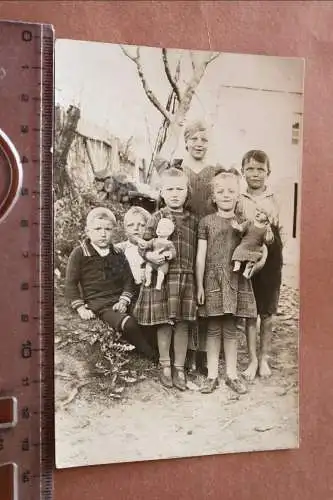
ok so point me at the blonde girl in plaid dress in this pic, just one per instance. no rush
(223, 295)
(173, 307)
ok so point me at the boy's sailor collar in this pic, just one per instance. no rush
(265, 194)
(89, 250)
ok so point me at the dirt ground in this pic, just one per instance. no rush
(151, 422)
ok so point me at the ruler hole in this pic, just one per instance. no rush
(8, 412)
(10, 175)
(9, 481)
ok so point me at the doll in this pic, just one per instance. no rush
(164, 246)
(254, 235)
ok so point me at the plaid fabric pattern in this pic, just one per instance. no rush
(184, 237)
(177, 299)
(175, 302)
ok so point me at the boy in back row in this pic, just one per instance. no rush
(100, 283)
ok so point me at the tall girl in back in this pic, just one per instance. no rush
(172, 308)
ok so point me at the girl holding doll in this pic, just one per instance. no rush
(223, 295)
(173, 307)
(199, 171)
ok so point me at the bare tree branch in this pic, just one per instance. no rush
(212, 57)
(192, 60)
(149, 93)
(169, 75)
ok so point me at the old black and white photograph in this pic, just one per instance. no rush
(176, 252)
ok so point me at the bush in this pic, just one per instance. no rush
(104, 354)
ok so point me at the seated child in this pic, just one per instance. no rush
(99, 281)
(255, 234)
(135, 221)
(164, 247)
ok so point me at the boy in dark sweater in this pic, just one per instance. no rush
(99, 281)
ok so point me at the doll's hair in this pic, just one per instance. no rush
(258, 156)
(100, 213)
(264, 211)
(136, 210)
(174, 170)
(165, 224)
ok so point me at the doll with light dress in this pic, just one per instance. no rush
(255, 234)
(164, 246)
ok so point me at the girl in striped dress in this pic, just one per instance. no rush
(223, 295)
(173, 308)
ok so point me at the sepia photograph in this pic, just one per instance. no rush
(177, 180)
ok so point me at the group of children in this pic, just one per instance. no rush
(176, 269)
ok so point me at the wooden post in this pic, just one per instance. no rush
(63, 144)
(115, 163)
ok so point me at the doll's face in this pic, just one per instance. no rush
(99, 231)
(261, 216)
(135, 226)
(226, 192)
(165, 228)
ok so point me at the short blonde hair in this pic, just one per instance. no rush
(136, 210)
(224, 173)
(100, 213)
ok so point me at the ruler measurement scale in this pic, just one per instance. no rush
(30, 443)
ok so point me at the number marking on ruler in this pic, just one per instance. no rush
(26, 369)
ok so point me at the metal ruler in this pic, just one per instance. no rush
(26, 256)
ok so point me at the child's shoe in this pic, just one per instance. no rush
(209, 385)
(236, 385)
(179, 380)
(201, 363)
(165, 377)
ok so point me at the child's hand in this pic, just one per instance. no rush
(155, 257)
(85, 313)
(167, 255)
(120, 306)
(201, 296)
(269, 236)
(260, 263)
(235, 225)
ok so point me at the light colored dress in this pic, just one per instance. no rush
(226, 292)
(134, 259)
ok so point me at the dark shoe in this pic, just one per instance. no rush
(179, 380)
(190, 365)
(236, 385)
(201, 363)
(209, 385)
(165, 377)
